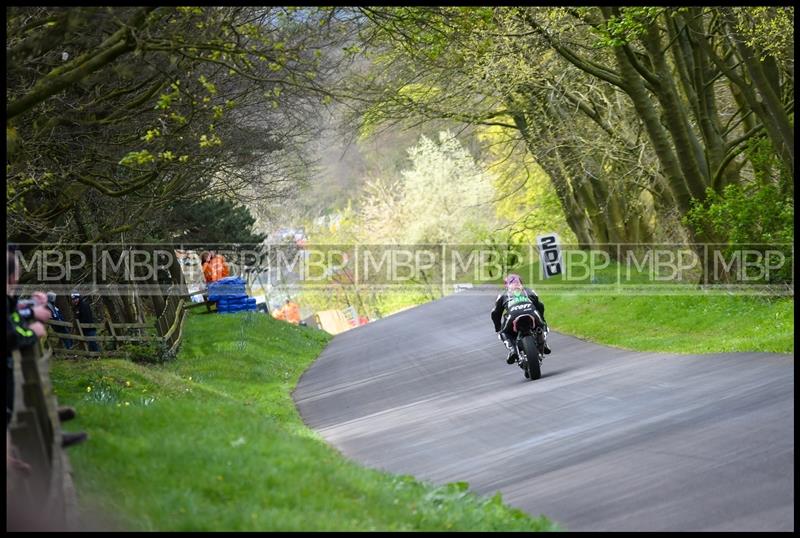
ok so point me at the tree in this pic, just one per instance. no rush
(632, 112)
(116, 115)
(526, 205)
(211, 221)
(472, 64)
(444, 197)
(150, 106)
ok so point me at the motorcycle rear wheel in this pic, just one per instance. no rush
(532, 368)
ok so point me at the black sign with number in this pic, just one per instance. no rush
(549, 254)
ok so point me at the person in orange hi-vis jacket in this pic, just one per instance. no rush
(279, 313)
(292, 311)
(215, 268)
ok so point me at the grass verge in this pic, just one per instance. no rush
(692, 321)
(213, 441)
(676, 323)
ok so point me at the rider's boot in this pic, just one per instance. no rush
(512, 352)
(546, 348)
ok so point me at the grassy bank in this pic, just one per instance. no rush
(212, 441)
(676, 323)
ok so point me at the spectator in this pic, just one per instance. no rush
(24, 327)
(83, 313)
(58, 316)
(205, 256)
(215, 268)
(292, 312)
(279, 313)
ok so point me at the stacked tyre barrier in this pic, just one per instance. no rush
(230, 295)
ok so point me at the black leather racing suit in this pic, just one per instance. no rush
(503, 305)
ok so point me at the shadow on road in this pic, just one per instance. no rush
(547, 373)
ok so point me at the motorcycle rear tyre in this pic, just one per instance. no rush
(532, 354)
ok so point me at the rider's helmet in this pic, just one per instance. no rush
(513, 282)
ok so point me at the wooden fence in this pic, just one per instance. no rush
(43, 498)
(109, 335)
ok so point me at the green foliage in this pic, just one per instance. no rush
(745, 214)
(88, 87)
(770, 29)
(759, 213)
(630, 24)
(445, 196)
(137, 158)
(212, 220)
(526, 203)
(376, 304)
(152, 352)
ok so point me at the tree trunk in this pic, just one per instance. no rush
(685, 143)
(776, 120)
(129, 311)
(655, 131)
(573, 213)
(697, 80)
(115, 309)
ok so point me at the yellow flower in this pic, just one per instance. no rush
(88, 389)
(128, 383)
(127, 403)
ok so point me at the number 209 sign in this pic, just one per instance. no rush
(549, 254)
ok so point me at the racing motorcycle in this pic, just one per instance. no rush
(530, 343)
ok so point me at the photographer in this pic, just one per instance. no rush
(83, 313)
(24, 327)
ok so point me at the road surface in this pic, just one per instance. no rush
(606, 440)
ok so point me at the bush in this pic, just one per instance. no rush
(153, 351)
(757, 214)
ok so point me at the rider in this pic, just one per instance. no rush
(525, 299)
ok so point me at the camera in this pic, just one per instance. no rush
(25, 309)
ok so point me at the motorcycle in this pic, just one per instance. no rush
(530, 344)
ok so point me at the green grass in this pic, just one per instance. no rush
(676, 323)
(213, 441)
(691, 321)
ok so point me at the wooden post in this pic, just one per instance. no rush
(112, 333)
(80, 332)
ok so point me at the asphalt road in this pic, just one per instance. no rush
(606, 440)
